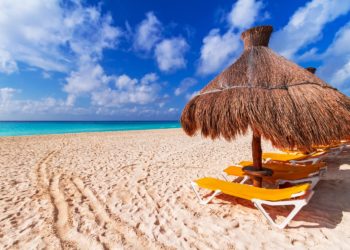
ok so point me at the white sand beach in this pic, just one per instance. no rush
(132, 190)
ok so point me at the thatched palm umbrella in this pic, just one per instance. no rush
(275, 98)
(311, 69)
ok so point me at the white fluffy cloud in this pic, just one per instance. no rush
(244, 13)
(191, 95)
(105, 103)
(51, 36)
(6, 97)
(173, 110)
(70, 37)
(128, 91)
(341, 75)
(306, 25)
(10, 105)
(110, 90)
(218, 50)
(88, 78)
(7, 64)
(148, 33)
(170, 54)
(185, 85)
(149, 78)
(125, 82)
(305, 28)
(336, 60)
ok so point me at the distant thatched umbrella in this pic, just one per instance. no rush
(311, 69)
(272, 96)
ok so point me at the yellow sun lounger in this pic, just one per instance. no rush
(259, 196)
(295, 158)
(335, 148)
(286, 167)
(282, 173)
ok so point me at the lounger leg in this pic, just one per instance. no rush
(339, 150)
(297, 207)
(267, 160)
(314, 180)
(298, 204)
(245, 178)
(201, 201)
(334, 153)
(224, 176)
(229, 178)
(323, 171)
(313, 160)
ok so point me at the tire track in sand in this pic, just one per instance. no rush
(51, 187)
(63, 227)
(134, 239)
(125, 237)
(42, 178)
(42, 183)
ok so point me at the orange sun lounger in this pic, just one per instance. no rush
(282, 173)
(259, 196)
(335, 148)
(295, 158)
(286, 166)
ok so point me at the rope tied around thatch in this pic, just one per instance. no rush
(280, 87)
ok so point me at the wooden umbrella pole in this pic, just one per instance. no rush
(257, 158)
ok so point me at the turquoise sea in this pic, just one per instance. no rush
(61, 127)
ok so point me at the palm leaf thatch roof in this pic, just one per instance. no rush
(272, 96)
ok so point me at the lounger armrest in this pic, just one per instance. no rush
(201, 201)
(306, 197)
(311, 160)
(313, 180)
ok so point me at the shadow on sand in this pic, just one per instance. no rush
(331, 198)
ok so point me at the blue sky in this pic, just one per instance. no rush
(143, 60)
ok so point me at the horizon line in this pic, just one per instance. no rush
(89, 120)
